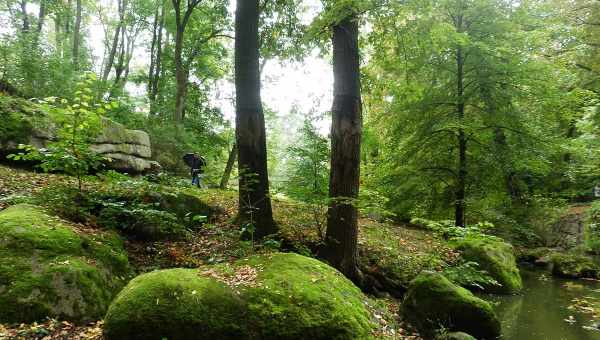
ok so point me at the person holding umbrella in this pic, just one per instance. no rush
(196, 164)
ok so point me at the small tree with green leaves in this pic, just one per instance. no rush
(78, 123)
(308, 179)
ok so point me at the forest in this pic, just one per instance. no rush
(300, 169)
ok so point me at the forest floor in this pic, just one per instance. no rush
(406, 250)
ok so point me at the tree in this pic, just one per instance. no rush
(207, 29)
(254, 200)
(342, 225)
(465, 119)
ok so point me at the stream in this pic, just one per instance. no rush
(544, 309)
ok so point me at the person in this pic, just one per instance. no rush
(196, 164)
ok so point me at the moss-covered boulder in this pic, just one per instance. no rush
(433, 302)
(48, 268)
(277, 296)
(497, 259)
(185, 206)
(573, 266)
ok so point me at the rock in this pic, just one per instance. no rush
(495, 257)
(537, 256)
(433, 302)
(50, 269)
(573, 266)
(276, 296)
(456, 336)
(129, 150)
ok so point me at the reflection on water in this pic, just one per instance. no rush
(541, 311)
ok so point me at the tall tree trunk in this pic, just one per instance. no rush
(181, 79)
(459, 199)
(346, 130)
(158, 61)
(115, 42)
(254, 200)
(68, 18)
(77, 36)
(153, 53)
(228, 167)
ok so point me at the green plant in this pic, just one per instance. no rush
(468, 274)
(78, 124)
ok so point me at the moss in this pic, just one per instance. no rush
(48, 269)
(174, 304)
(573, 266)
(278, 296)
(495, 257)
(14, 127)
(433, 302)
(456, 336)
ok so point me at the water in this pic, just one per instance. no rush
(541, 311)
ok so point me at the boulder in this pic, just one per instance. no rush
(497, 259)
(455, 336)
(28, 123)
(433, 302)
(275, 296)
(573, 266)
(50, 269)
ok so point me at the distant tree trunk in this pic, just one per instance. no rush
(153, 49)
(181, 68)
(459, 199)
(77, 36)
(115, 42)
(342, 227)
(68, 18)
(25, 18)
(228, 167)
(181, 77)
(254, 200)
(41, 16)
(158, 59)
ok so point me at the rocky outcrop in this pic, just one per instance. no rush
(127, 150)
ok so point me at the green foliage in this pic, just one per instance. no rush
(469, 274)
(137, 208)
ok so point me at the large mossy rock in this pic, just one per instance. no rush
(48, 268)
(573, 266)
(497, 259)
(433, 302)
(277, 296)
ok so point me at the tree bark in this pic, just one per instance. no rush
(342, 227)
(228, 167)
(254, 200)
(77, 35)
(459, 199)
